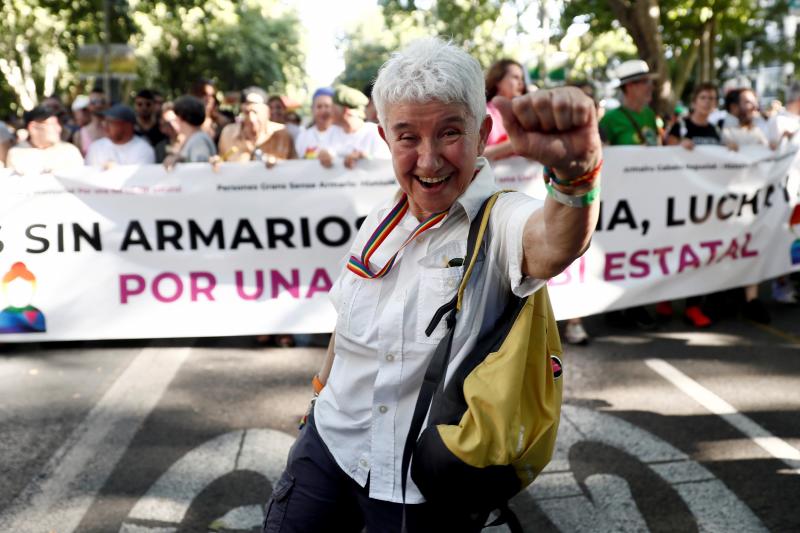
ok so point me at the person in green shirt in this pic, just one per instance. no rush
(634, 122)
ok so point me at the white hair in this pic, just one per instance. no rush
(428, 70)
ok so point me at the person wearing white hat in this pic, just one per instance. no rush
(80, 110)
(634, 122)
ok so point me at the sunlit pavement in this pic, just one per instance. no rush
(671, 430)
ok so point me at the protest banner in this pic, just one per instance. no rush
(135, 252)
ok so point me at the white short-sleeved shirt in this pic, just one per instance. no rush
(782, 123)
(366, 140)
(744, 136)
(364, 412)
(311, 141)
(25, 159)
(137, 151)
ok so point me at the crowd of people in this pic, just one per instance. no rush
(342, 129)
(192, 128)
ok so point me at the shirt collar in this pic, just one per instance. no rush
(481, 187)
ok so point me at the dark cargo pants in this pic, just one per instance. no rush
(315, 495)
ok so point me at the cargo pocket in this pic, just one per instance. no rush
(278, 503)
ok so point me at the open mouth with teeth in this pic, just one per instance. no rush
(433, 182)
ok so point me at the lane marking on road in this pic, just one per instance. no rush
(605, 502)
(58, 498)
(776, 447)
(163, 508)
(785, 335)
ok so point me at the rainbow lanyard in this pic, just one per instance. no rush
(360, 267)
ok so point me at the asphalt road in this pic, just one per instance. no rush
(672, 430)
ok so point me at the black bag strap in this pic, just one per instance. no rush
(435, 372)
(474, 240)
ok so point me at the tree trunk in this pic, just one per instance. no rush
(641, 19)
(685, 63)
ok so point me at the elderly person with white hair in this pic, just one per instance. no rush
(344, 472)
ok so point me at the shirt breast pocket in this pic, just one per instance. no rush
(359, 300)
(438, 284)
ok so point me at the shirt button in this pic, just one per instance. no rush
(389, 357)
(383, 409)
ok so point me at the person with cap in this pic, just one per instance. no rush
(634, 122)
(256, 137)
(57, 106)
(317, 141)
(121, 146)
(81, 114)
(43, 151)
(147, 114)
(94, 129)
(359, 139)
(197, 145)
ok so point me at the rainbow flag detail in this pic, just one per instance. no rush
(360, 266)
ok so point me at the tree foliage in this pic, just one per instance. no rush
(241, 43)
(487, 29)
(689, 40)
(464, 21)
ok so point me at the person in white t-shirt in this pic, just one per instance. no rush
(121, 146)
(317, 141)
(44, 151)
(747, 132)
(359, 139)
(786, 122)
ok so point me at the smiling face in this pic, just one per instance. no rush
(434, 149)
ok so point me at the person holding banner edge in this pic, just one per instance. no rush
(345, 468)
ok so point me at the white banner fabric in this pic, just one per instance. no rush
(135, 252)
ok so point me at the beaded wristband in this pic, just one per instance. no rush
(581, 200)
(574, 182)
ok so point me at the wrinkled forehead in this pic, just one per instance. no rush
(410, 112)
